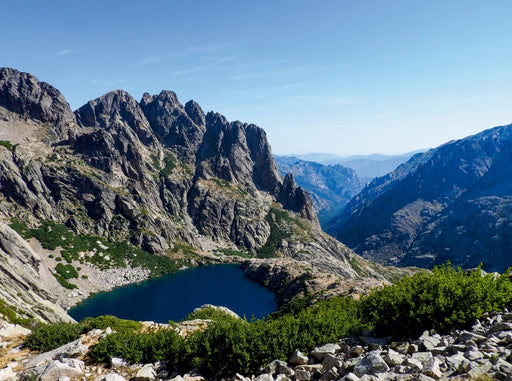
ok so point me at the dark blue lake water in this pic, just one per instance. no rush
(174, 296)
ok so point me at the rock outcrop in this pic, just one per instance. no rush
(23, 94)
(27, 284)
(450, 203)
(331, 187)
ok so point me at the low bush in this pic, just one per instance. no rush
(46, 337)
(50, 336)
(140, 348)
(443, 299)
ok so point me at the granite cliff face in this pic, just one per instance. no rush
(450, 203)
(155, 173)
(331, 187)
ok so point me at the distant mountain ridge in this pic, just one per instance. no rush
(331, 187)
(450, 203)
(367, 166)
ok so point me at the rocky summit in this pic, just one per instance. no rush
(157, 175)
(450, 203)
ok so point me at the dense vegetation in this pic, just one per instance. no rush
(46, 337)
(442, 299)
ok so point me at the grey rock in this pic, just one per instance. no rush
(146, 373)
(110, 377)
(117, 362)
(278, 367)
(423, 357)
(350, 377)
(415, 364)
(428, 341)
(432, 368)
(393, 358)
(302, 375)
(282, 377)
(467, 336)
(503, 366)
(473, 355)
(331, 374)
(319, 353)
(24, 94)
(73, 349)
(481, 370)
(179, 378)
(6, 373)
(458, 362)
(298, 358)
(331, 361)
(264, 377)
(67, 367)
(502, 326)
(371, 364)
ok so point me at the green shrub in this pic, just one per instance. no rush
(443, 299)
(63, 282)
(7, 144)
(118, 325)
(140, 348)
(66, 271)
(50, 336)
(46, 337)
(209, 314)
(232, 345)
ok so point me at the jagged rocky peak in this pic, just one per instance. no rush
(176, 127)
(117, 112)
(297, 199)
(23, 94)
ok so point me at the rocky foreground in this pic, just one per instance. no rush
(482, 353)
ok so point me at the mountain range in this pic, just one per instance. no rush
(331, 186)
(157, 175)
(452, 203)
(366, 166)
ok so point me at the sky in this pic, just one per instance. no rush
(344, 77)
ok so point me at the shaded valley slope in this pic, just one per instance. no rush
(451, 203)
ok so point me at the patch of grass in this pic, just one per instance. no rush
(12, 316)
(169, 165)
(66, 271)
(7, 144)
(234, 253)
(64, 282)
(222, 183)
(183, 248)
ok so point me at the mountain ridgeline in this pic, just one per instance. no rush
(162, 176)
(452, 203)
(331, 187)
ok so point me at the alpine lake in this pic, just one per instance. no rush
(174, 296)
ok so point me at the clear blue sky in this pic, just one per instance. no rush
(340, 76)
